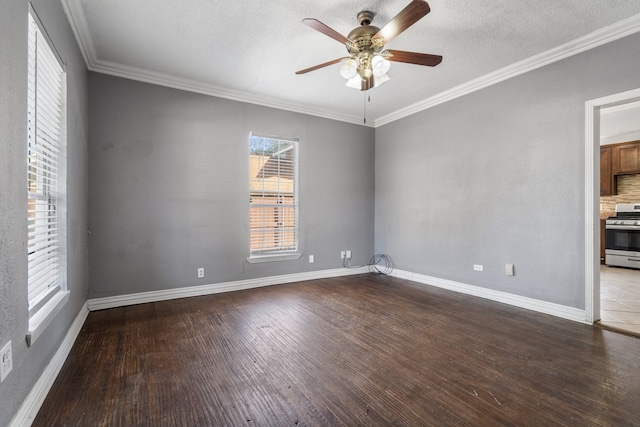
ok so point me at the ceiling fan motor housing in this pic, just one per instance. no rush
(365, 45)
(362, 46)
(362, 41)
(362, 36)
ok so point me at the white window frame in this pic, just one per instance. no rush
(291, 252)
(46, 148)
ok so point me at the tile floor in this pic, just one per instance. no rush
(620, 298)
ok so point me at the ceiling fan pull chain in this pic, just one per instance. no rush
(365, 106)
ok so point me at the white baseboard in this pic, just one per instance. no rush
(215, 288)
(558, 310)
(31, 405)
(29, 409)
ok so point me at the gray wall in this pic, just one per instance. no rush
(29, 363)
(169, 186)
(489, 178)
(497, 177)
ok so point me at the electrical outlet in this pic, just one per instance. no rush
(348, 255)
(312, 259)
(6, 361)
(200, 272)
(509, 269)
(478, 267)
(343, 254)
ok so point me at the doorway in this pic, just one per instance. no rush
(593, 284)
(619, 287)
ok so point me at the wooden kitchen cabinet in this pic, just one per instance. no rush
(617, 159)
(625, 158)
(607, 179)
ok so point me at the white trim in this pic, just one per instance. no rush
(215, 288)
(591, 233)
(620, 108)
(31, 405)
(160, 79)
(78, 22)
(258, 259)
(80, 27)
(592, 193)
(558, 310)
(45, 315)
(592, 40)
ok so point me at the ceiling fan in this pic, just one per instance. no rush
(368, 63)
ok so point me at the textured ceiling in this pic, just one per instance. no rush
(250, 50)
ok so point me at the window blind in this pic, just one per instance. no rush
(45, 168)
(273, 195)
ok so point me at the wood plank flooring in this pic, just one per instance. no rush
(352, 351)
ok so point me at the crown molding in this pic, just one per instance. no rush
(146, 76)
(592, 40)
(77, 20)
(80, 27)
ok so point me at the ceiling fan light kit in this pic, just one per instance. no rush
(368, 63)
(349, 68)
(354, 82)
(380, 65)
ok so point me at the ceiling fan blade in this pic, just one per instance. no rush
(326, 64)
(403, 20)
(413, 57)
(324, 29)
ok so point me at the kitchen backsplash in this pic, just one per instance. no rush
(628, 192)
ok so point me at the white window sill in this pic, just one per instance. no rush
(256, 259)
(39, 321)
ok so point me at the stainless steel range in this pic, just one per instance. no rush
(622, 244)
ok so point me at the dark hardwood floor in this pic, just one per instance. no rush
(353, 351)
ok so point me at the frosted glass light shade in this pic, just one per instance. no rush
(355, 82)
(380, 65)
(349, 68)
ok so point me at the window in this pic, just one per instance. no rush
(273, 212)
(46, 180)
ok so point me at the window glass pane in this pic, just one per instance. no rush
(273, 195)
(45, 169)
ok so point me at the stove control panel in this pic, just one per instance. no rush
(623, 222)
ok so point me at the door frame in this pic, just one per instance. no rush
(592, 196)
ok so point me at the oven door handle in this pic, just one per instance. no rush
(622, 227)
(633, 259)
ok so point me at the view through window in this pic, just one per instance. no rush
(273, 169)
(46, 170)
